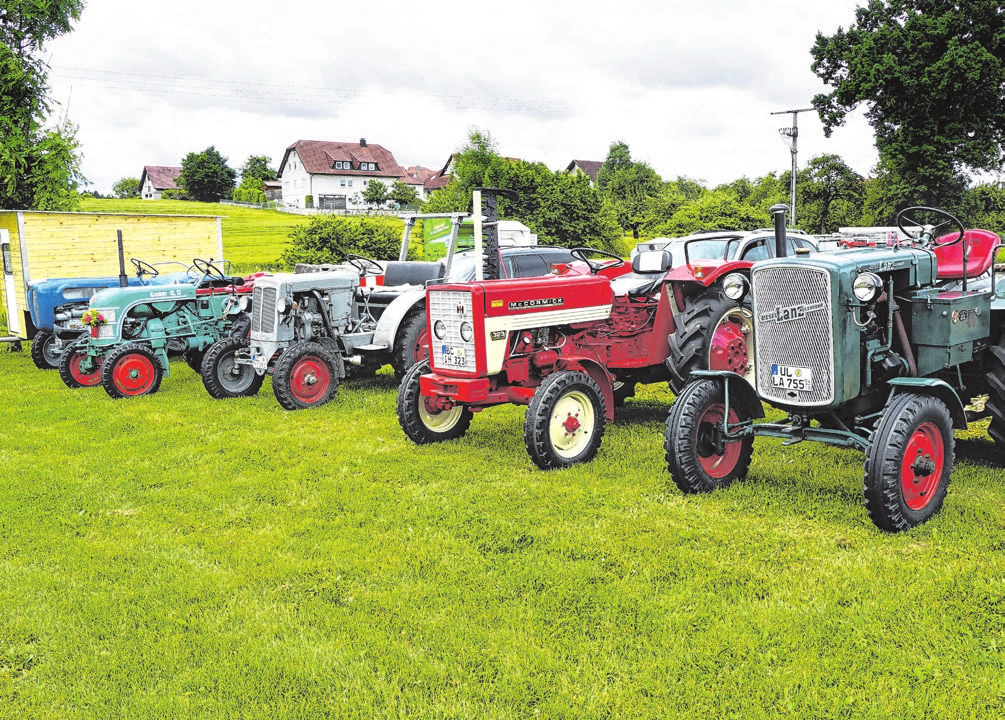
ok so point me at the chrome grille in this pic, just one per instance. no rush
(263, 310)
(793, 327)
(452, 308)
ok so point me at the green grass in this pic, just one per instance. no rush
(175, 556)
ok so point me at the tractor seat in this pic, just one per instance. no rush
(412, 273)
(982, 245)
(649, 268)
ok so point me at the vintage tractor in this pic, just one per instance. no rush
(874, 348)
(127, 348)
(570, 347)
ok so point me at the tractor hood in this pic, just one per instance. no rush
(912, 266)
(123, 297)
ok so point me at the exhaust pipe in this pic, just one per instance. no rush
(123, 280)
(778, 211)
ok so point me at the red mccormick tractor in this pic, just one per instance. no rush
(873, 348)
(569, 347)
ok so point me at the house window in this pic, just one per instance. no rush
(365, 182)
(350, 183)
(343, 182)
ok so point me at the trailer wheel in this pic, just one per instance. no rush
(223, 377)
(43, 351)
(698, 459)
(131, 370)
(995, 384)
(193, 358)
(565, 420)
(908, 463)
(712, 333)
(305, 376)
(411, 345)
(420, 419)
(70, 371)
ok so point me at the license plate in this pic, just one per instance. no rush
(452, 356)
(792, 378)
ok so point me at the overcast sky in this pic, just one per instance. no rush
(688, 85)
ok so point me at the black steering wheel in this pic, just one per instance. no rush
(580, 253)
(207, 269)
(928, 230)
(144, 268)
(361, 263)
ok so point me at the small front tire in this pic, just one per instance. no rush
(44, 352)
(305, 376)
(130, 371)
(223, 377)
(422, 422)
(565, 420)
(70, 370)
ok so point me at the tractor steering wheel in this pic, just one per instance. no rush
(144, 268)
(207, 269)
(361, 263)
(928, 232)
(580, 253)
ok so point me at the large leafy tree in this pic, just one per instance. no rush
(830, 194)
(619, 157)
(257, 166)
(403, 194)
(375, 193)
(205, 176)
(39, 166)
(629, 190)
(127, 187)
(931, 74)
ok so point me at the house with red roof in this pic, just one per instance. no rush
(335, 174)
(155, 179)
(590, 168)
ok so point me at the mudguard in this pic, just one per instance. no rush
(390, 321)
(936, 388)
(741, 392)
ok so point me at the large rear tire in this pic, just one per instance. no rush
(223, 377)
(908, 463)
(306, 375)
(193, 358)
(411, 345)
(711, 333)
(130, 371)
(43, 351)
(422, 422)
(70, 371)
(565, 420)
(995, 384)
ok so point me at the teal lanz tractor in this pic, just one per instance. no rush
(876, 348)
(133, 330)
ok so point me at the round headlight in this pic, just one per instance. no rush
(734, 286)
(439, 329)
(245, 303)
(282, 305)
(467, 332)
(867, 286)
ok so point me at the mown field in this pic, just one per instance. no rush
(174, 556)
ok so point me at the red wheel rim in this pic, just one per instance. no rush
(134, 374)
(728, 349)
(310, 379)
(921, 468)
(92, 378)
(421, 350)
(715, 465)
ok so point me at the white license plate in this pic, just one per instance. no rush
(452, 356)
(792, 378)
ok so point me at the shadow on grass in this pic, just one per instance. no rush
(979, 451)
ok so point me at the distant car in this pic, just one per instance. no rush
(726, 245)
(517, 262)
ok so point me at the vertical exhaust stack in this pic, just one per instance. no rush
(123, 280)
(489, 198)
(778, 211)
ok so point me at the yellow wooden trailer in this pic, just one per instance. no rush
(46, 245)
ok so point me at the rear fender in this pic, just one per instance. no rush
(705, 274)
(599, 375)
(741, 392)
(934, 388)
(396, 312)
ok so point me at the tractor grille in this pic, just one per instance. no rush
(263, 310)
(792, 317)
(451, 352)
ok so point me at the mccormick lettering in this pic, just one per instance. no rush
(793, 312)
(545, 302)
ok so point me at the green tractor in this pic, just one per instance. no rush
(875, 348)
(134, 329)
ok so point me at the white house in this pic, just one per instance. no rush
(155, 179)
(335, 174)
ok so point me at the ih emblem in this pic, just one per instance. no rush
(792, 312)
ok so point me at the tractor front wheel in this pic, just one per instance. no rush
(222, 376)
(73, 367)
(305, 376)
(411, 345)
(700, 460)
(908, 463)
(44, 352)
(711, 333)
(193, 358)
(565, 420)
(419, 417)
(130, 371)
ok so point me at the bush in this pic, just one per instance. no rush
(328, 238)
(174, 194)
(309, 201)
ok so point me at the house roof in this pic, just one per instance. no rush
(319, 156)
(420, 173)
(589, 167)
(441, 177)
(162, 177)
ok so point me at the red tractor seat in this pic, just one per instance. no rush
(982, 246)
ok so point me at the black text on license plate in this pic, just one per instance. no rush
(789, 377)
(452, 356)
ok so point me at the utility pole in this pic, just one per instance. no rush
(789, 136)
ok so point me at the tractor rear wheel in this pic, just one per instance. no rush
(995, 385)
(193, 358)
(698, 458)
(908, 463)
(421, 420)
(43, 351)
(306, 375)
(411, 345)
(131, 370)
(711, 333)
(70, 371)
(223, 377)
(565, 420)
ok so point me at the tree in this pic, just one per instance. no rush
(126, 187)
(375, 193)
(619, 157)
(931, 73)
(403, 194)
(328, 238)
(251, 190)
(257, 166)
(205, 176)
(39, 168)
(629, 190)
(830, 194)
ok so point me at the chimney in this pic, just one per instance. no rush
(362, 142)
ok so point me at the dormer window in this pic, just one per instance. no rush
(343, 165)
